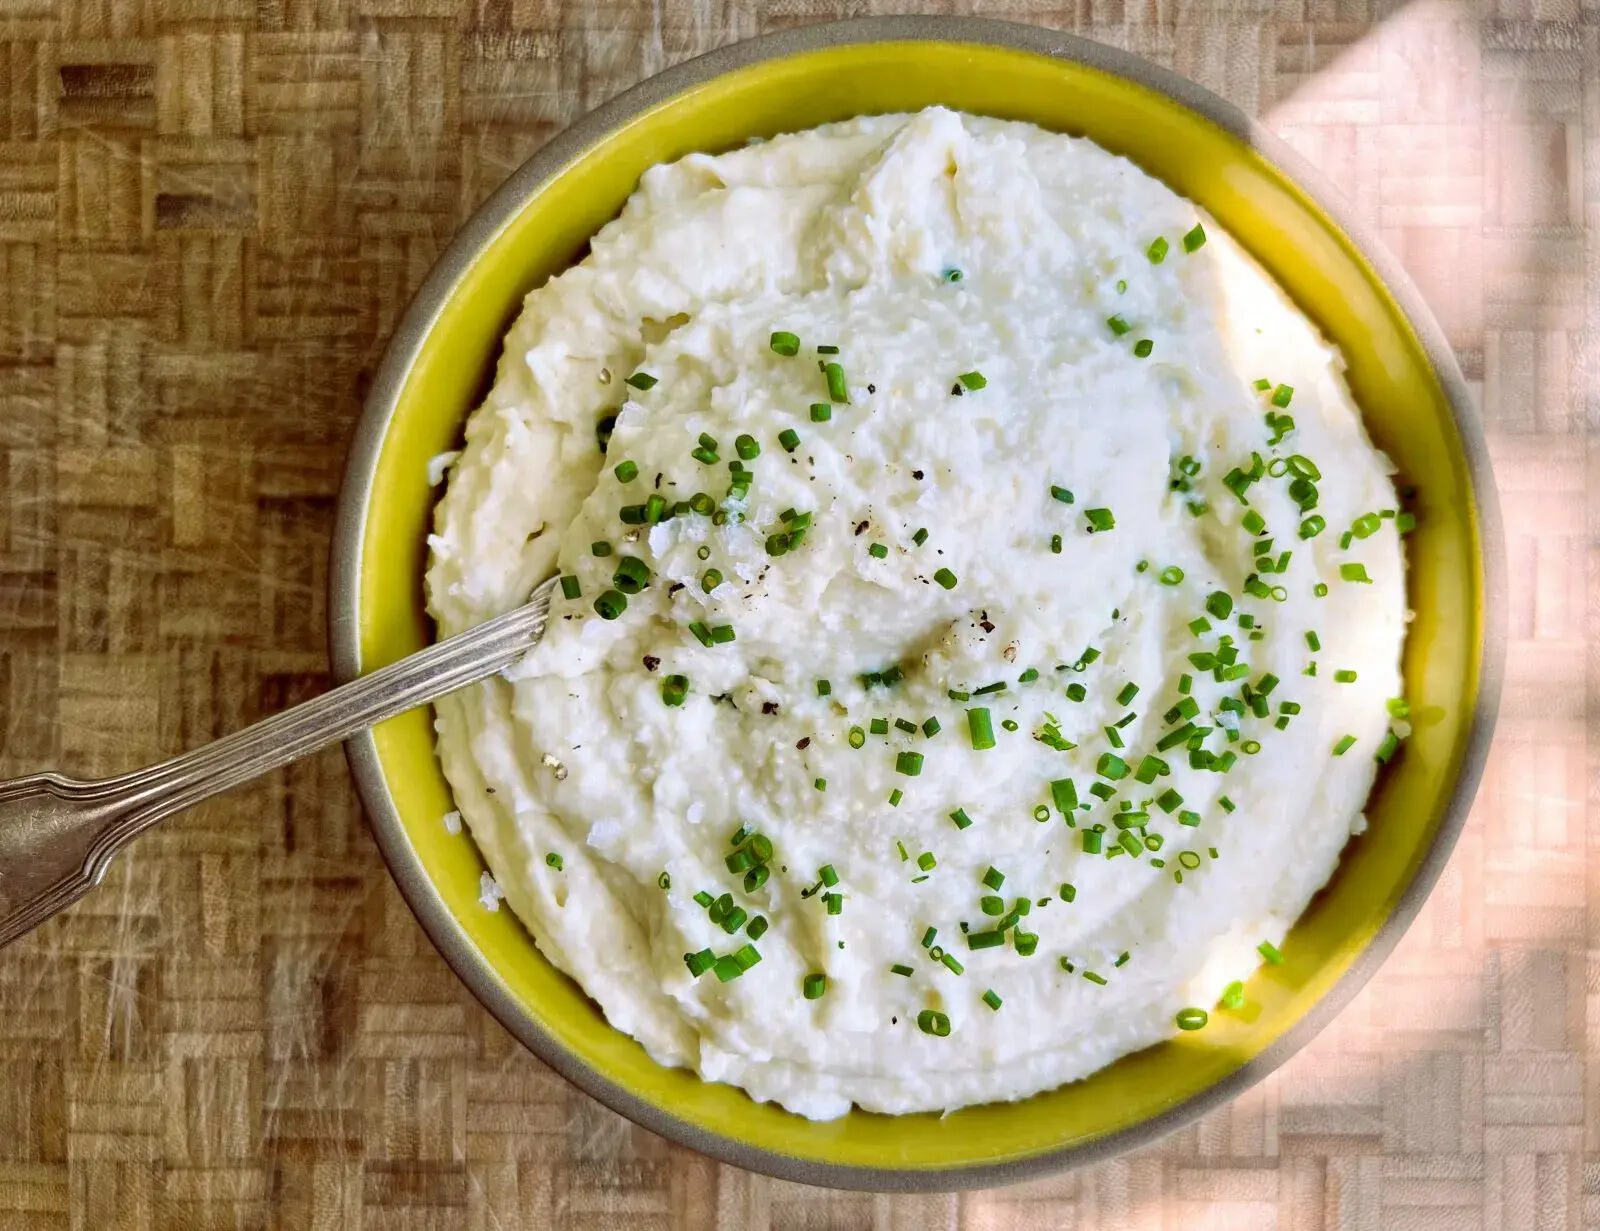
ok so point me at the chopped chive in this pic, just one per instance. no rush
(813, 986)
(992, 1000)
(789, 439)
(991, 938)
(674, 689)
(945, 578)
(838, 390)
(642, 381)
(1313, 641)
(1129, 691)
(878, 726)
(1345, 677)
(1099, 519)
(1270, 953)
(972, 381)
(931, 1021)
(920, 537)
(1171, 575)
(961, 819)
(1055, 544)
(570, 588)
(747, 446)
(877, 551)
(1344, 745)
(909, 764)
(1282, 395)
(1220, 604)
(1191, 1019)
(1111, 766)
(611, 604)
(821, 412)
(784, 343)
(1118, 325)
(1064, 794)
(1143, 347)
(1062, 494)
(1092, 841)
(930, 727)
(1195, 239)
(1157, 251)
(980, 728)
(1354, 572)
(899, 968)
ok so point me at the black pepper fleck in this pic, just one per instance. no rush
(803, 743)
(861, 527)
(769, 707)
(917, 475)
(651, 662)
(955, 390)
(872, 388)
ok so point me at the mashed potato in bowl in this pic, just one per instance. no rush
(980, 615)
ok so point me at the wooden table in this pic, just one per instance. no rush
(211, 215)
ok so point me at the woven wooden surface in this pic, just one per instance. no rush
(211, 215)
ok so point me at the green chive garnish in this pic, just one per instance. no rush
(674, 689)
(789, 439)
(569, 587)
(1194, 240)
(877, 551)
(784, 343)
(981, 728)
(1118, 325)
(909, 764)
(991, 999)
(931, 1021)
(1354, 572)
(945, 578)
(1157, 251)
(972, 381)
(1344, 745)
(1171, 575)
(611, 604)
(642, 381)
(813, 985)
(1060, 493)
(821, 412)
(838, 390)
(961, 819)
(920, 537)
(1143, 347)
(1191, 1019)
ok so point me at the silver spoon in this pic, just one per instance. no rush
(58, 835)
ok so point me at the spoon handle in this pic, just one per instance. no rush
(58, 835)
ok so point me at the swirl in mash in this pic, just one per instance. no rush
(977, 695)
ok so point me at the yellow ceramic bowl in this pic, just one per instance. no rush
(1403, 377)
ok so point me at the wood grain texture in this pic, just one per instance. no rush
(211, 216)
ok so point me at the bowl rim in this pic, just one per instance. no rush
(371, 431)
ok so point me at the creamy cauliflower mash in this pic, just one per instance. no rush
(979, 620)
